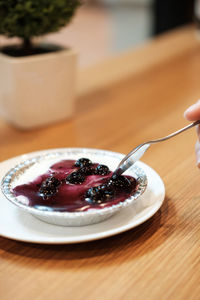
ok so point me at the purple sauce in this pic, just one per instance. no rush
(70, 197)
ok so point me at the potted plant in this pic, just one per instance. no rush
(37, 81)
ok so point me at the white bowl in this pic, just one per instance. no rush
(34, 165)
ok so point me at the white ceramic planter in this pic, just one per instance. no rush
(37, 90)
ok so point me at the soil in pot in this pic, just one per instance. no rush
(19, 51)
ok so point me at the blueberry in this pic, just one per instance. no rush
(133, 182)
(83, 162)
(94, 195)
(99, 194)
(49, 187)
(87, 170)
(102, 170)
(120, 182)
(51, 181)
(75, 178)
(47, 191)
(107, 191)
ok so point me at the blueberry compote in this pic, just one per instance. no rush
(74, 186)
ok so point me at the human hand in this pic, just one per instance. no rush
(193, 114)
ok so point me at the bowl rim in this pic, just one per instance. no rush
(55, 153)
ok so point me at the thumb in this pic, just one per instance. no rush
(197, 148)
(193, 112)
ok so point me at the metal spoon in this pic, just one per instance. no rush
(136, 153)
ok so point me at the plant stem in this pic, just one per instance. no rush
(27, 45)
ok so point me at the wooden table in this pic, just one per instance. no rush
(140, 95)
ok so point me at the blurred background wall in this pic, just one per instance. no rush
(133, 21)
(106, 27)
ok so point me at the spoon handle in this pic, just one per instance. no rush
(136, 153)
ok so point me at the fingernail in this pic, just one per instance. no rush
(198, 131)
(198, 164)
(198, 160)
(197, 150)
(191, 108)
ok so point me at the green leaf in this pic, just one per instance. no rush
(30, 18)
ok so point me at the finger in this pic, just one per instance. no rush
(198, 131)
(193, 112)
(197, 149)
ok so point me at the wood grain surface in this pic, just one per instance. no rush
(159, 259)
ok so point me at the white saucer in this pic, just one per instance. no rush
(19, 225)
